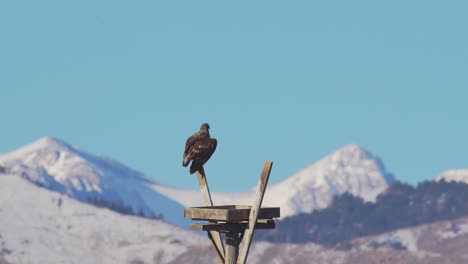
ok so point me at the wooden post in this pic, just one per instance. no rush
(244, 250)
(214, 236)
(232, 247)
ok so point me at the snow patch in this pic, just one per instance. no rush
(458, 175)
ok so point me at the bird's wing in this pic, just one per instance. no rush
(203, 149)
(188, 144)
(191, 141)
(214, 144)
(191, 146)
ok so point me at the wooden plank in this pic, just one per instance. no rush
(229, 213)
(244, 249)
(215, 237)
(231, 227)
(206, 214)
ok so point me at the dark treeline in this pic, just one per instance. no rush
(121, 208)
(348, 216)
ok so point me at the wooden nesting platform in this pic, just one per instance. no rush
(237, 222)
(230, 218)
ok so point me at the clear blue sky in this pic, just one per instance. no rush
(287, 81)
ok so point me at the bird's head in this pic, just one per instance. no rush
(204, 127)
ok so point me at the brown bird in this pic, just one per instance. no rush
(199, 148)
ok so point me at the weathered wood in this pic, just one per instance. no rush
(232, 247)
(220, 257)
(234, 213)
(231, 227)
(244, 250)
(215, 236)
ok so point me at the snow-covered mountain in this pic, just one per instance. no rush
(460, 175)
(58, 166)
(41, 226)
(350, 169)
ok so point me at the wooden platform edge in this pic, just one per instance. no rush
(221, 214)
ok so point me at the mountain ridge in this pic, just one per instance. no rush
(348, 169)
(56, 165)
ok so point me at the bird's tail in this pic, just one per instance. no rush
(196, 167)
(192, 169)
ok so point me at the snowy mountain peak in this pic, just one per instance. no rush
(351, 153)
(349, 169)
(54, 164)
(460, 175)
(350, 149)
(42, 145)
(347, 161)
(49, 142)
(353, 156)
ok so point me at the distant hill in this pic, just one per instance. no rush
(349, 217)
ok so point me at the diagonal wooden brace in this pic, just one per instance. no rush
(214, 236)
(248, 234)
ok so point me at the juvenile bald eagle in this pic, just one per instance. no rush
(199, 148)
